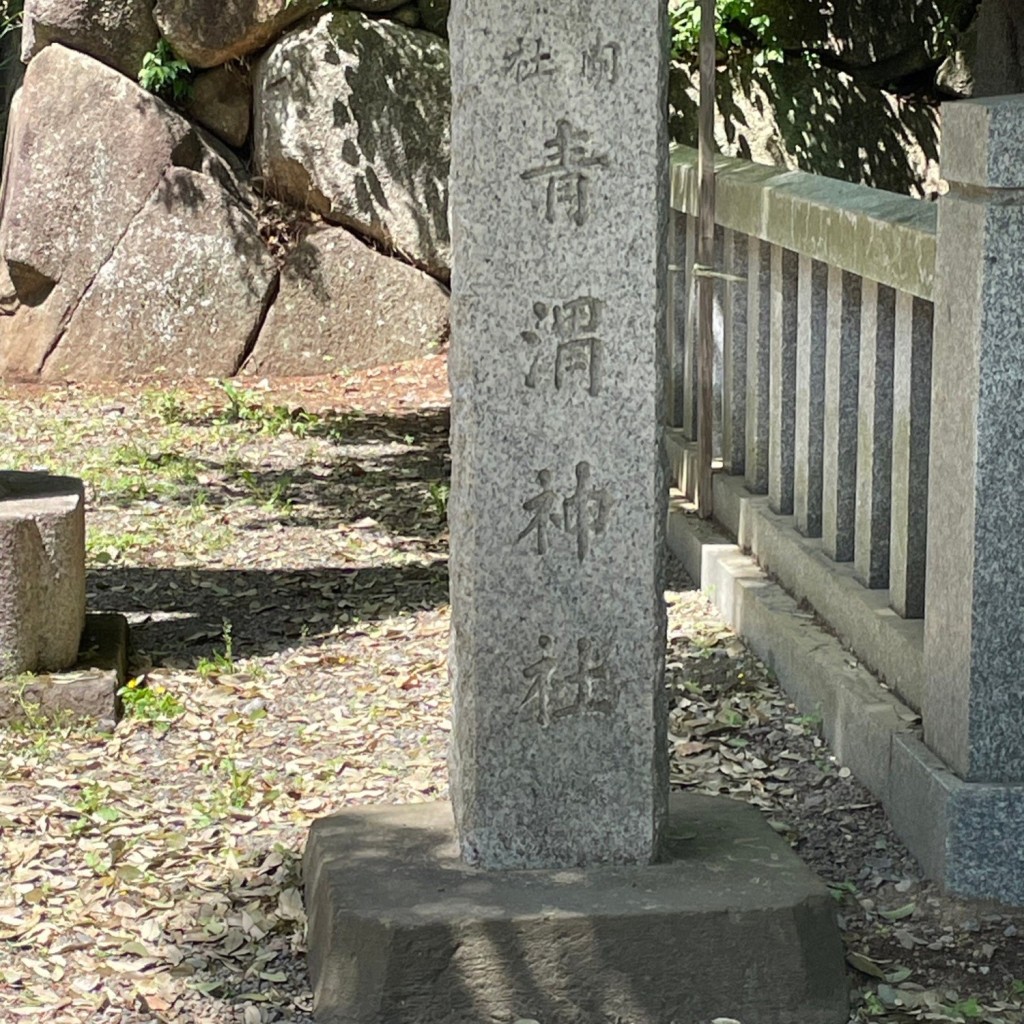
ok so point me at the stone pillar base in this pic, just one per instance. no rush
(732, 924)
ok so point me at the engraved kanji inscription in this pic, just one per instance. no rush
(540, 674)
(543, 508)
(601, 61)
(576, 355)
(583, 513)
(528, 58)
(586, 688)
(568, 167)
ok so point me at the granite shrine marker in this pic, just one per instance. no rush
(568, 893)
(559, 192)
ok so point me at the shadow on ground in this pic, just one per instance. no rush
(181, 613)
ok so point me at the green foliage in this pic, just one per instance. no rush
(738, 26)
(164, 74)
(94, 807)
(439, 499)
(220, 663)
(150, 703)
(244, 406)
(11, 12)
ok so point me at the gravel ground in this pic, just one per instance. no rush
(280, 551)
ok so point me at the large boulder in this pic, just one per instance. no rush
(69, 196)
(221, 100)
(817, 120)
(208, 34)
(882, 40)
(351, 120)
(183, 294)
(117, 32)
(344, 306)
(434, 15)
(127, 243)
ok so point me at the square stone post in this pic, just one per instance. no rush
(758, 376)
(559, 204)
(973, 706)
(734, 355)
(842, 366)
(782, 378)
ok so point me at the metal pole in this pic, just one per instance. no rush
(705, 259)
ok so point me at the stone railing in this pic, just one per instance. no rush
(871, 446)
(824, 327)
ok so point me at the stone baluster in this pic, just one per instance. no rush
(734, 353)
(912, 394)
(874, 434)
(678, 307)
(842, 367)
(755, 463)
(782, 379)
(812, 322)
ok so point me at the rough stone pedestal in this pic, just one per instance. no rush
(42, 572)
(731, 924)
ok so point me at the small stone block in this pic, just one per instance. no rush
(42, 571)
(89, 690)
(731, 923)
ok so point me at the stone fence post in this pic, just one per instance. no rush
(973, 706)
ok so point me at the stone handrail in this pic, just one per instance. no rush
(824, 330)
(880, 235)
(868, 385)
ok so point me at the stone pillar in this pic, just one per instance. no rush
(782, 376)
(812, 317)
(42, 572)
(973, 706)
(757, 404)
(839, 467)
(734, 355)
(558, 211)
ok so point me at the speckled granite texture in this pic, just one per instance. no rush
(974, 629)
(558, 199)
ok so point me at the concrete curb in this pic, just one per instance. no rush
(967, 836)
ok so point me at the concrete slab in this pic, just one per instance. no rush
(731, 924)
(88, 690)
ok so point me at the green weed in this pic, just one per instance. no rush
(245, 406)
(220, 663)
(439, 497)
(154, 704)
(164, 74)
(94, 807)
(240, 785)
